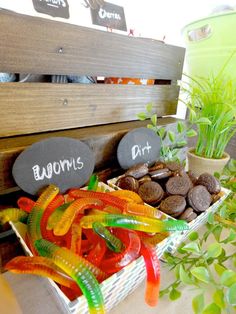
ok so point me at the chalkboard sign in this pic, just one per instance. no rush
(55, 8)
(63, 161)
(109, 15)
(140, 145)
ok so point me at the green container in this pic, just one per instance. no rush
(209, 44)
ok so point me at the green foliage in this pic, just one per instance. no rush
(212, 104)
(177, 140)
(201, 263)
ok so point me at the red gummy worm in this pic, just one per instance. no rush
(25, 203)
(116, 262)
(105, 197)
(153, 274)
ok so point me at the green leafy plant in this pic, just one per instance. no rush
(171, 142)
(208, 262)
(213, 100)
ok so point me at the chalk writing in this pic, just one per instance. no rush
(56, 168)
(138, 150)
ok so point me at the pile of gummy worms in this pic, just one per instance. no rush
(81, 238)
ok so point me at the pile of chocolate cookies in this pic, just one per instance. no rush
(171, 189)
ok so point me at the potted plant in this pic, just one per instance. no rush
(212, 107)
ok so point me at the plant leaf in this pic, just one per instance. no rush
(214, 250)
(181, 144)
(149, 107)
(201, 273)
(142, 116)
(152, 127)
(210, 218)
(161, 132)
(231, 295)
(184, 277)
(154, 119)
(192, 116)
(217, 232)
(174, 294)
(180, 127)
(219, 298)
(228, 278)
(171, 136)
(212, 309)
(193, 236)
(191, 133)
(219, 269)
(198, 303)
(203, 121)
(191, 247)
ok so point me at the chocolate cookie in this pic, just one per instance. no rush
(178, 185)
(158, 165)
(188, 215)
(173, 205)
(146, 178)
(137, 171)
(151, 192)
(128, 183)
(160, 174)
(192, 177)
(199, 198)
(210, 182)
(174, 166)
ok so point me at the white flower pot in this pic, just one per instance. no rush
(199, 165)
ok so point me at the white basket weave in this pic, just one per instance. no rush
(115, 288)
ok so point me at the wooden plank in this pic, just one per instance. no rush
(103, 140)
(39, 107)
(41, 46)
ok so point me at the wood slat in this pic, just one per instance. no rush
(41, 46)
(103, 140)
(39, 107)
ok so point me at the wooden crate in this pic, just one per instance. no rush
(99, 114)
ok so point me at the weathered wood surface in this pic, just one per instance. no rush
(39, 107)
(41, 46)
(103, 140)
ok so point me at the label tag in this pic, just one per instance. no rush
(55, 8)
(62, 161)
(140, 145)
(109, 15)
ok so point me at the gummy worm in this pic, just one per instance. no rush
(42, 266)
(76, 207)
(56, 216)
(55, 203)
(105, 197)
(25, 203)
(112, 242)
(139, 223)
(97, 253)
(142, 210)
(154, 239)
(76, 267)
(35, 215)
(13, 214)
(132, 246)
(126, 194)
(153, 274)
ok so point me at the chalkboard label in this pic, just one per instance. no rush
(109, 15)
(140, 145)
(55, 8)
(62, 161)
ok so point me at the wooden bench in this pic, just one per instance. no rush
(99, 114)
